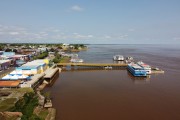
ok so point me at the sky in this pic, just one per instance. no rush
(90, 21)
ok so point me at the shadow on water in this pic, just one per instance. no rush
(139, 80)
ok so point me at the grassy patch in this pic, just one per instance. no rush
(25, 90)
(65, 60)
(43, 114)
(7, 104)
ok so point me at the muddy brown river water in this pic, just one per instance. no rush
(116, 94)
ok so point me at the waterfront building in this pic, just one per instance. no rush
(29, 70)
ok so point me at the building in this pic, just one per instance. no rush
(4, 64)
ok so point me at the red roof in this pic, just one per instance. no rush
(9, 83)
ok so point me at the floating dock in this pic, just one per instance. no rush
(51, 74)
(157, 71)
(89, 66)
(94, 64)
(99, 66)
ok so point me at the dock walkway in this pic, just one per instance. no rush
(93, 64)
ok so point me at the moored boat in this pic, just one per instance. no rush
(145, 66)
(129, 59)
(118, 58)
(77, 60)
(136, 70)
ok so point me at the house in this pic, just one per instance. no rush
(4, 64)
(65, 46)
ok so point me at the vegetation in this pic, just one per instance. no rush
(41, 56)
(24, 90)
(7, 104)
(77, 46)
(43, 113)
(65, 60)
(57, 58)
(1, 47)
(26, 105)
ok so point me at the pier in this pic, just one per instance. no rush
(97, 66)
(94, 64)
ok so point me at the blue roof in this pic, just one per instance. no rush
(28, 67)
(8, 53)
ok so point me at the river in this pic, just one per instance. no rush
(116, 94)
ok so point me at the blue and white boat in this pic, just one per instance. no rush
(136, 70)
(145, 66)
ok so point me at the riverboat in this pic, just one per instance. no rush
(77, 60)
(118, 58)
(145, 66)
(136, 70)
(129, 59)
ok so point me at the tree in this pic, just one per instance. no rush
(26, 105)
(14, 50)
(8, 50)
(56, 60)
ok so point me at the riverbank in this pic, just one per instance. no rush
(11, 97)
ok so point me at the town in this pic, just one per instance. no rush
(25, 69)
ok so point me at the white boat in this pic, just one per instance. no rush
(118, 58)
(77, 60)
(145, 66)
(108, 68)
(129, 59)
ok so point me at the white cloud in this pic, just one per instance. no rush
(14, 33)
(77, 8)
(122, 36)
(80, 36)
(75, 33)
(131, 30)
(114, 37)
(46, 35)
(107, 37)
(90, 36)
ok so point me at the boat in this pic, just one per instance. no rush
(129, 59)
(136, 70)
(118, 58)
(145, 66)
(77, 60)
(108, 68)
(156, 70)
